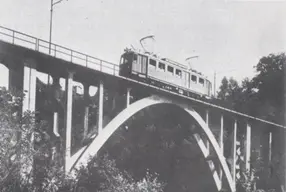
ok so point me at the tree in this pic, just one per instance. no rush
(263, 97)
(269, 85)
(25, 152)
(15, 142)
(224, 92)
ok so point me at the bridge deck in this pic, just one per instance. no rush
(16, 46)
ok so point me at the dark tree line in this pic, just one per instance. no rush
(263, 96)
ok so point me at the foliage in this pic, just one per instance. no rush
(248, 183)
(15, 142)
(263, 97)
(110, 179)
(24, 143)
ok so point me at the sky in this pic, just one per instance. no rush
(228, 35)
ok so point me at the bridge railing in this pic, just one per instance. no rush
(57, 51)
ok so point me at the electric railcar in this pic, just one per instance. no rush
(164, 73)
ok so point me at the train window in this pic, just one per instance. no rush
(201, 81)
(152, 62)
(121, 60)
(179, 73)
(162, 66)
(135, 58)
(170, 69)
(194, 78)
(126, 58)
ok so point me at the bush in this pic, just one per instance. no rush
(102, 175)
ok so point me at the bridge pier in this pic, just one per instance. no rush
(23, 78)
(233, 166)
(56, 89)
(207, 142)
(128, 97)
(86, 109)
(100, 107)
(69, 103)
(56, 105)
(247, 147)
(221, 134)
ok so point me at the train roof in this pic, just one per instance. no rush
(166, 60)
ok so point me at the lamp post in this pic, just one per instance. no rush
(51, 21)
(51, 26)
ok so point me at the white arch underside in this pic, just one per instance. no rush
(82, 157)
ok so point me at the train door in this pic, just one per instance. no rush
(139, 64)
(186, 79)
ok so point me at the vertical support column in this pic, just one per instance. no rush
(248, 147)
(128, 97)
(69, 102)
(100, 107)
(56, 87)
(234, 153)
(29, 101)
(86, 110)
(270, 147)
(56, 98)
(221, 134)
(16, 79)
(207, 122)
(29, 85)
(221, 141)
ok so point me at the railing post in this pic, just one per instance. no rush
(13, 37)
(37, 45)
(113, 69)
(71, 55)
(86, 60)
(100, 65)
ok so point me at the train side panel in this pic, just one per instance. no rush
(180, 78)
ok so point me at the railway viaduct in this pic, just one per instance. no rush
(26, 57)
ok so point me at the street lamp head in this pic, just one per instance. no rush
(57, 2)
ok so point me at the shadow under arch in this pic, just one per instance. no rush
(83, 156)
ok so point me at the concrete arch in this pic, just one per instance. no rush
(83, 156)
